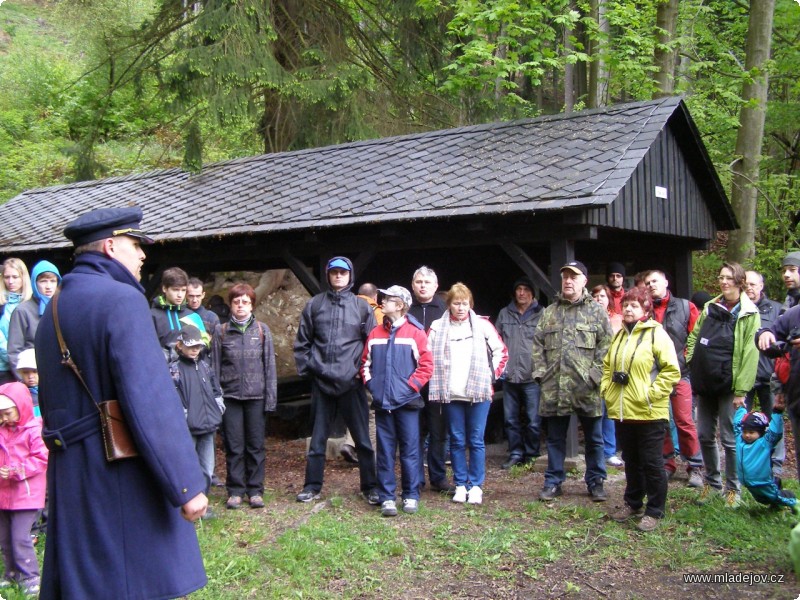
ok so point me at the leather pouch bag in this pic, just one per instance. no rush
(117, 438)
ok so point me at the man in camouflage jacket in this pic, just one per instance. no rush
(571, 340)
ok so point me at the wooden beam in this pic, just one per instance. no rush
(562, 251)
(300, 271)
(682, 286)
(529, 267)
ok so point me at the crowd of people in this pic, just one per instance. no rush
(655, 376)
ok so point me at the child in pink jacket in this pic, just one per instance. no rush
(23, 466)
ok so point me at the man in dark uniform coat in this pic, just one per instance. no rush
(118, 529)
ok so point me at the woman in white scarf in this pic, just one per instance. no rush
(468, 355)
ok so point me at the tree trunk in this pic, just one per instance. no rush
(664, 56)
(744, 194)
(598, 71)
(569, 73)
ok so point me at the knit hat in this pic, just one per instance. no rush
(615, 267)
(792, 259)
(526, 281)
(755, 420)
(700, 298)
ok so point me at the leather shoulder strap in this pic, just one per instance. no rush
(66, 357)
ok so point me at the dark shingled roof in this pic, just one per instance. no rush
(550, 163)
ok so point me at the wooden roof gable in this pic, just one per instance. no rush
(573, 161)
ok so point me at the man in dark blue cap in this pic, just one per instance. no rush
(115, 528)
(330, 340)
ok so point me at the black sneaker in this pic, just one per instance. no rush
(372, 497)
(511, 462)
(443, 487)
(307, 496)
(550, 493)
(597, 493)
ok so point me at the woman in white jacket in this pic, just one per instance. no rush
(468, 355)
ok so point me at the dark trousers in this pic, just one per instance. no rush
(392, 429)
(352, 405)
(521, 419)
(433, 423)
(641, 443)
(244, 424)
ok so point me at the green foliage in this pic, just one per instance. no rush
(102, 87)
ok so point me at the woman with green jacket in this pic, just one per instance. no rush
(723, 361)
(639, 372)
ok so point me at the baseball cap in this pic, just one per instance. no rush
(338, 263)
(576, 266)
(27, 359)
(191, 336)
(398, 291)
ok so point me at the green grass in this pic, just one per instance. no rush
(23, 25)
(345, 550)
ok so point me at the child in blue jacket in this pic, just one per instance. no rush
(756, 437)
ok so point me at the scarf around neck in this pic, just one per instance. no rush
(479, 380)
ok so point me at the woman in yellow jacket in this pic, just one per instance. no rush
(639, 372)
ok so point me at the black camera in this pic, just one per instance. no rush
(620, 377)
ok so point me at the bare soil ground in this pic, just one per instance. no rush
(616, 578)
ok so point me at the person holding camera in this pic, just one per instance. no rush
(639, 372)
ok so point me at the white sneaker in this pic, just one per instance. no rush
(475, 495)
(410, 505)
(461, 494)
(614, 461)
(388, 508)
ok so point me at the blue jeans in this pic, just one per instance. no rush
(609, 434)
(392, 429)
(521, 418)
(467, 422)
(557, 450)
(204, 446)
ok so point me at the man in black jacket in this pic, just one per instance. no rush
(426, 308)
(330, 340)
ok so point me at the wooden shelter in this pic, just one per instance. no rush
(483, 204)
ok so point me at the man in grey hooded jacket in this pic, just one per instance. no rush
(330, 340)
